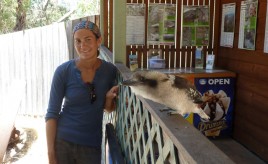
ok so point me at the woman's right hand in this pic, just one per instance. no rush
(51, 128)
(52, 159)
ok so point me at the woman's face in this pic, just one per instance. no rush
(86, 44)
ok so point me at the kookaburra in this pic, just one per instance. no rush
(172, 91)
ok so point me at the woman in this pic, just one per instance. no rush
(87, 86)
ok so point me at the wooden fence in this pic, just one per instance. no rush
(32, 56)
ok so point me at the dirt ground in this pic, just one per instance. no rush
(31, 146)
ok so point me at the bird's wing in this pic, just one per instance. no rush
(195, 96)
(192, 92)
(181, 83)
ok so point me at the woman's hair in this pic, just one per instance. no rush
(88, 25)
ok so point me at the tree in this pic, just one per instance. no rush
(16, 15)
(86, 8)
(41, 14)
(22, 7)
(7, 15)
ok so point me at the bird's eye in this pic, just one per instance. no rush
(142, 78)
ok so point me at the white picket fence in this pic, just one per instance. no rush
(32, 56)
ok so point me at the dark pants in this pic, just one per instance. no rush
(70, 153)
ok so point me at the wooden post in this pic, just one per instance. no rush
(119, 31)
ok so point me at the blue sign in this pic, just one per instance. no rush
(218, 97)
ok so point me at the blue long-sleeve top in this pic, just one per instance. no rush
(79, 120)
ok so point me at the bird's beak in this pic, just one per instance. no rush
(130, 82)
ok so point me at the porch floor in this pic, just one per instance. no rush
(237, 152)
(37, 150)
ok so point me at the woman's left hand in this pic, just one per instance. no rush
(110, 96)
(112, 93)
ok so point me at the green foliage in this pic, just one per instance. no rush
(37, 14)
(86, 8)
(40, 13)
(7, 15)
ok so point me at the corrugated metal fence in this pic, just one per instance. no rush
(32, 56)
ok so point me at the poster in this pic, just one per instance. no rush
(248, 23)
(135, 24)
(195, 26)
(227, 25)
(161, 24)
(218, 93)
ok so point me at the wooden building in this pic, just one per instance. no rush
(250, 66)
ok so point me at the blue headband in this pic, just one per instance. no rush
(87, 25)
